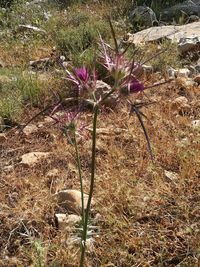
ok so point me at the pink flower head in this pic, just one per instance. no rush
(82, 74)
(136, 86)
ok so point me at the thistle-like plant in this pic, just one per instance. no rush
(124, 79)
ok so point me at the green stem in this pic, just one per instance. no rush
(80, 176)
(84, 237)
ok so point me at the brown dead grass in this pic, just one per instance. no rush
(145, 219)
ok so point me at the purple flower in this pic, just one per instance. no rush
(82, 74)
(136, 86)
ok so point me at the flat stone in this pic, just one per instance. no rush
(70, 200)
(29, 129)
(171, 32)
(32, 158)
(172, 176)
(65, 221)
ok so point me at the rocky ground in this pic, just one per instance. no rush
(143, 213)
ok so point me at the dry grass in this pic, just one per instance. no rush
(145, 219)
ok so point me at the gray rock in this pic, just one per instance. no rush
(171, 32)
(187, 8)
(143, 16)
(172, 73)
(188, 44)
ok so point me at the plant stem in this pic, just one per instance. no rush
(84, 237)
(80, 176)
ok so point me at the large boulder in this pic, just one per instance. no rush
(187, 36)
(187, 8)
(142, 16)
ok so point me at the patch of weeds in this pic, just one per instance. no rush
(78, 43)
(16, 89)
(30, 87)
(10, 103)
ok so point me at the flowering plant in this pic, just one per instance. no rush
(124, 77)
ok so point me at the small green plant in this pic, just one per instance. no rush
(30, 87)
(11, 103)
(17, 89)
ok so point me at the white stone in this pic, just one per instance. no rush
(32, 158)
(171, 175)
(188, 44)
(183, 73)
(29, 129)
(196, 124)
(67, 220)
(71, 200)
(22, 27)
